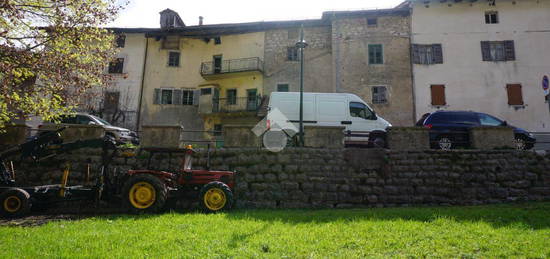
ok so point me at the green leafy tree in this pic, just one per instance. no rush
(51, 52)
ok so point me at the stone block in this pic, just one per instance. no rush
(324, 137)
(408, 138)
(487, 138)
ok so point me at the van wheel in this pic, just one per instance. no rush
(445, 143)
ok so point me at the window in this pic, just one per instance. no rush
(187, 97)
(379, 94)
(166, 96)
(218, 129)
(360, 110)
(282, 87)
(498, 50)
(427, 54)
(232, 96)
(376, 55)
(438, 95)
(174, 96)
(120, 40)
(206, 91)
(110, 103)
(488, 120)
(515, 97)
(491, 17)
(372, 22)
(217, 40)
(117, 66)
(171, 42)
(173, 59)
(292, 54)
(83, 120)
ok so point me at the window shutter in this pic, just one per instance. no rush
(176, 97)
(437, 54)
(510, 50)
(196, 94)
(156, 96)
(438, 95)
(486, 51)
(416, 53)
(515, 96)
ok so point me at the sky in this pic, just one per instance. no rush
(145, 13)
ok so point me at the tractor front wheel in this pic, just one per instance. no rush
(14, 203)
(144, 193)
(216, 196)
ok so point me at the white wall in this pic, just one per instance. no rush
(473, 84)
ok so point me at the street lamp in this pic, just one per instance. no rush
(301, 45)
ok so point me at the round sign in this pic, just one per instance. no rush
(545, 83)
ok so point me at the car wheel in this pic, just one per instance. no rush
(520, 143)
(215, 197)
(445, 143)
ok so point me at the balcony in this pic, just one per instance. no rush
(216, 69)
(236, 104)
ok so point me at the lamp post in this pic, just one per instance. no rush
(301, 45)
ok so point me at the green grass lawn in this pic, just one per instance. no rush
(487, 231)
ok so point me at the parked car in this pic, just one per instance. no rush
(331, 109)
(121, 135)
(449, 129)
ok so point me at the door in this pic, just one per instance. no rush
(362, 120)
(217, 64)
(216, 100)
(251, 99)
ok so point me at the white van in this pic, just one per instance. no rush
(330, 109)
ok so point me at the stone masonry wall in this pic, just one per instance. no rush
(341, 178)
(351, 37)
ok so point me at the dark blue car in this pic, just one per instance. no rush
(449, 129)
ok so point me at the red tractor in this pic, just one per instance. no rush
(141, 191)
(147, 191)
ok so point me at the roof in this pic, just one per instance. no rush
(236, 28)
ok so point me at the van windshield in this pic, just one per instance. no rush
(360, 110)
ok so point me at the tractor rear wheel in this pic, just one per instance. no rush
(144, 193)
(216, 196)
(14, 203)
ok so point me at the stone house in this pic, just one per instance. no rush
(486, 56)
(205, 76)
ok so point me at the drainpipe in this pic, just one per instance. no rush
(142, 83)
(413, 84)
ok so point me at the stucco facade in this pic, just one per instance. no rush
(193, 52)
(471, 83)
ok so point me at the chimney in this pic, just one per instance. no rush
(200, 20)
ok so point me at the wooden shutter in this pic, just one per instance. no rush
(438, 95)
(156, 96)
(515, 96)
(437, 54)
(486, 51)
(416, 53)
(509, 50)
(176, 97)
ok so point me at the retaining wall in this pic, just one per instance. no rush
(342, 178)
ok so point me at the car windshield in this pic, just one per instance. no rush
(102, 121)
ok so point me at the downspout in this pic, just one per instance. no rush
(142, 83)
(413, 85)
